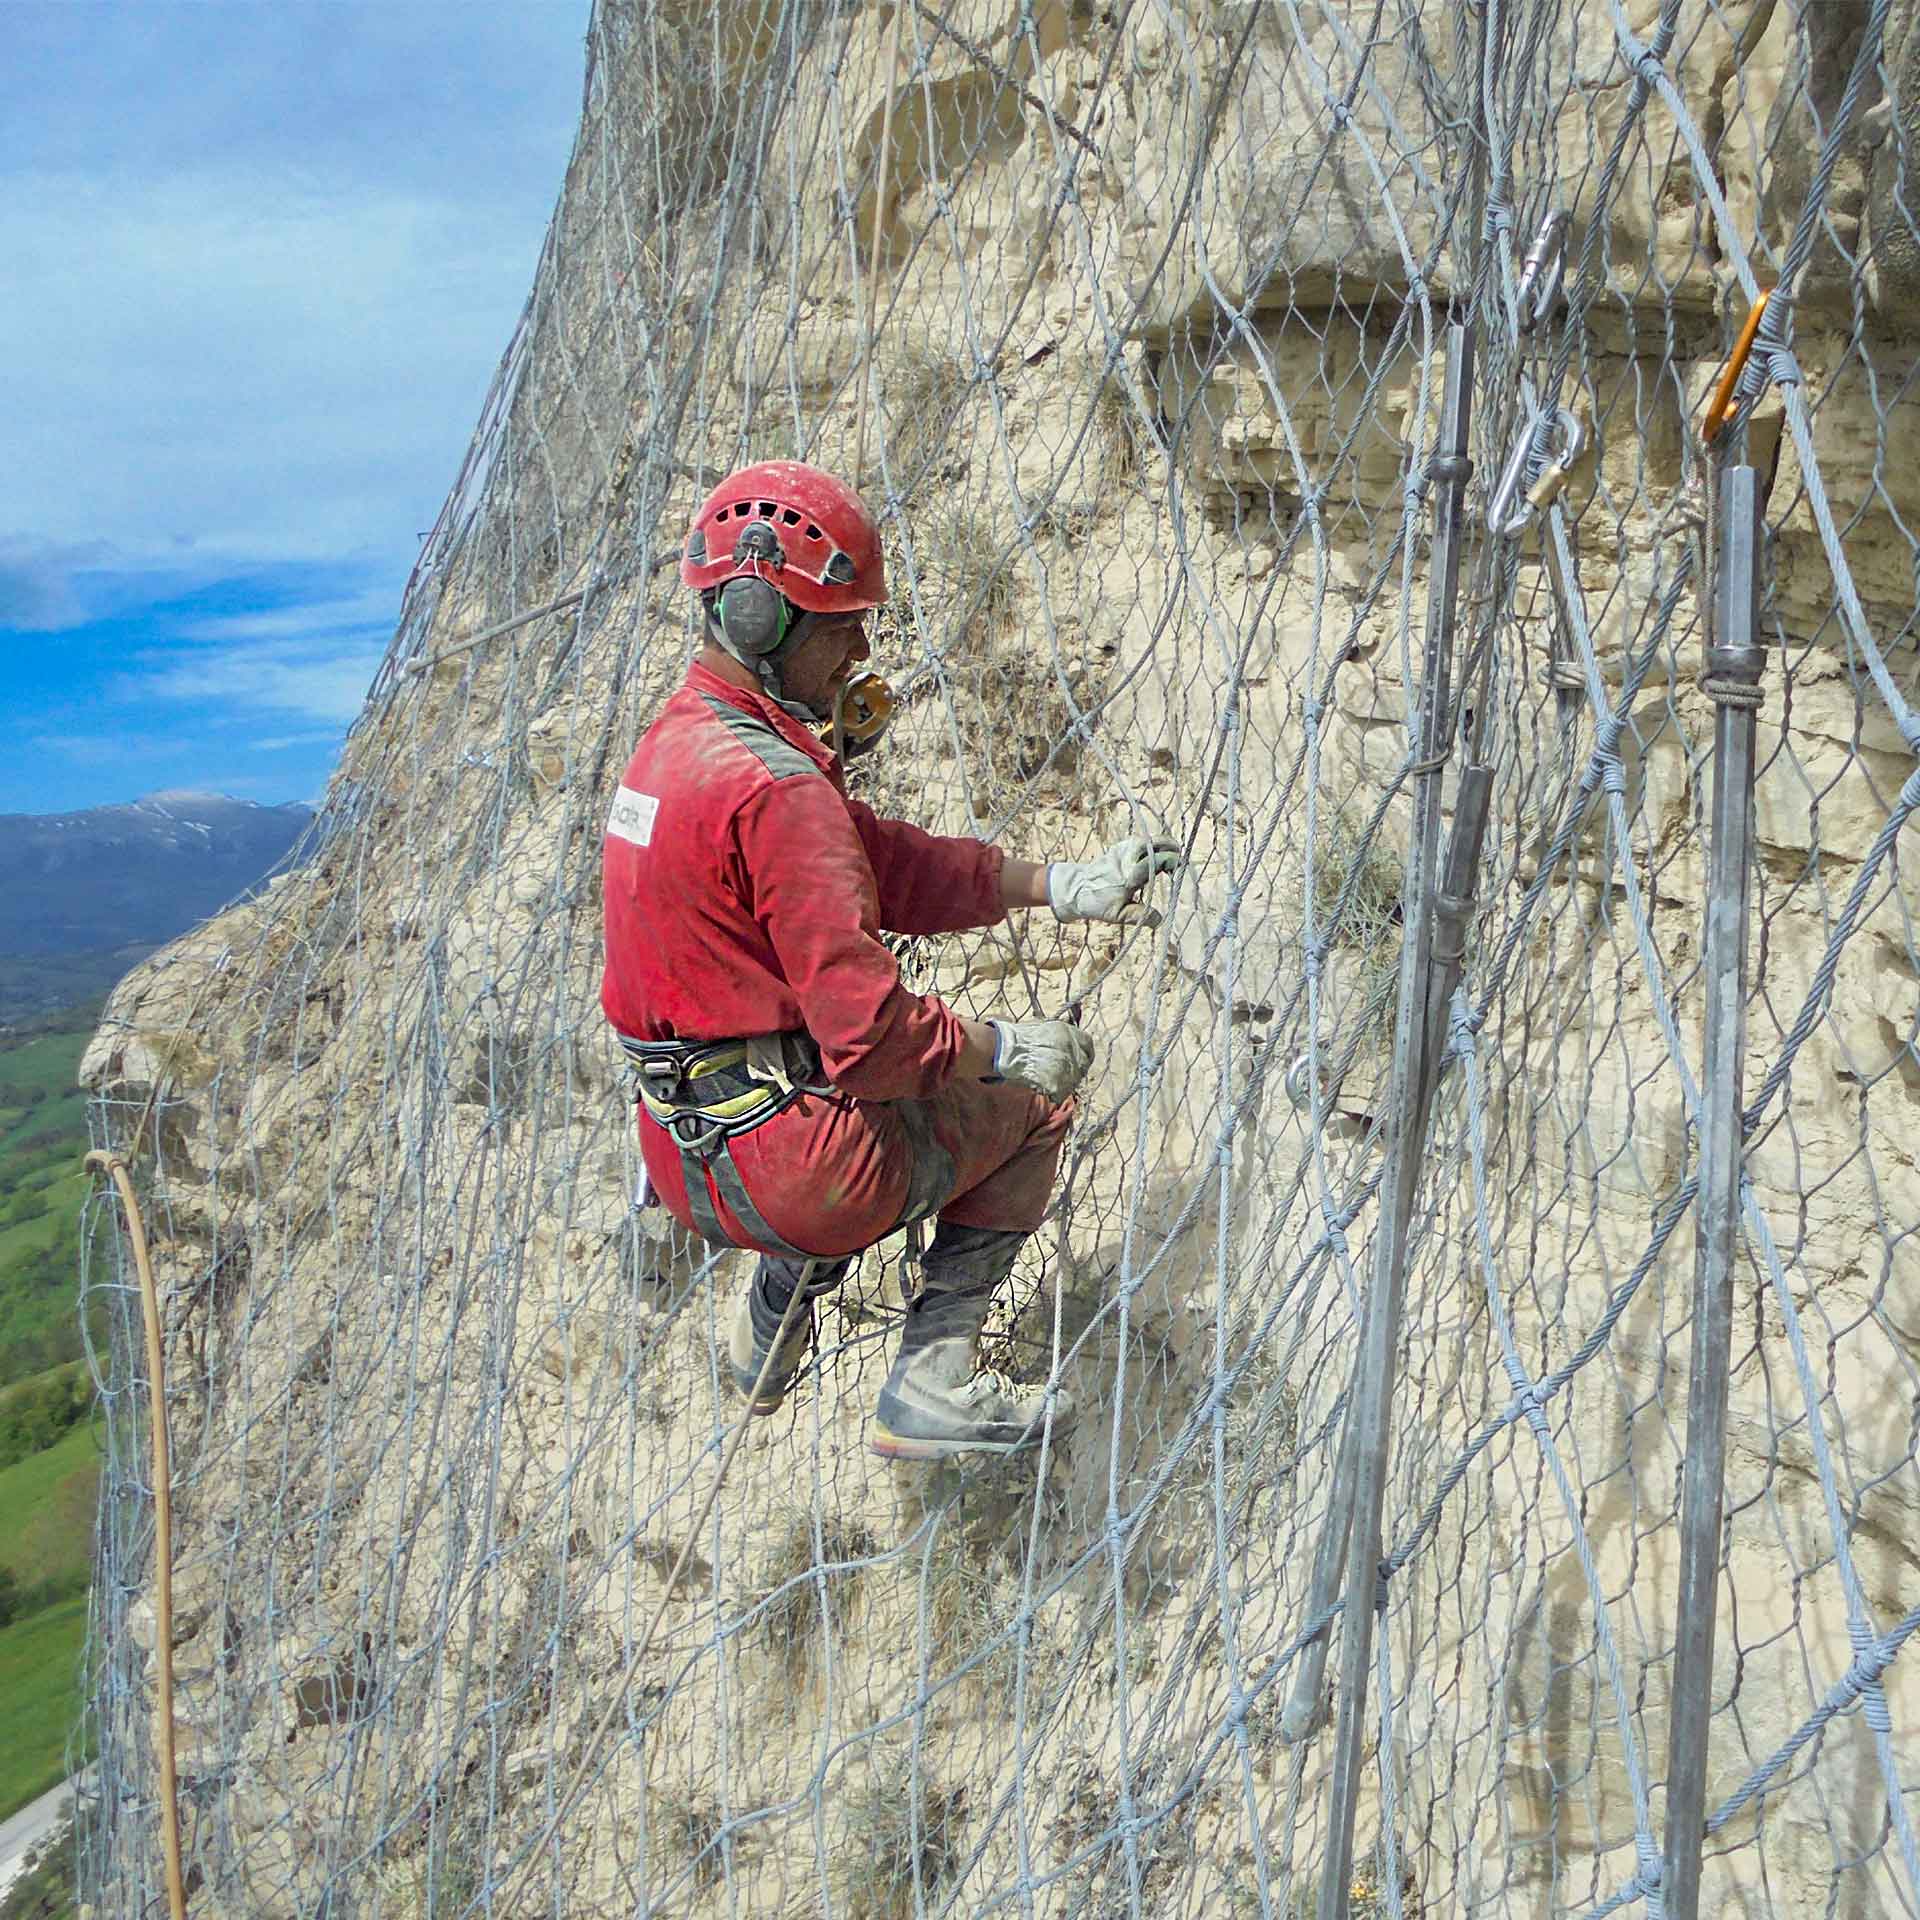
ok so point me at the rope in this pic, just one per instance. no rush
(115, 1167)
(873, 247)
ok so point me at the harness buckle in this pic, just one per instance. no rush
(663, 1075)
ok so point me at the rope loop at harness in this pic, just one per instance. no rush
(704, 1095)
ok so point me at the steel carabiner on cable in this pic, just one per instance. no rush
(1541, 273)
(1504, 517)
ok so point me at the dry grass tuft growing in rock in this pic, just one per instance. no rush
(962, 550)
(963, 1616)
(888, 1862)
(687, 1827)
(790, 1595)
(1124, 437)
(925, 393)
(1356, 904)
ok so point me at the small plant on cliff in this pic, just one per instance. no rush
(968, 561)
(1356, 903)
(1117, 421)
(790, 1593)
(925, 392)
(688, 1826)
(963, 1617)
(887, 1861)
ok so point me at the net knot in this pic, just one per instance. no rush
(1783, 368)
(1613, 775)
(1646, 1860)
(1866, 1668)
(1910, 730)
(1499, 217)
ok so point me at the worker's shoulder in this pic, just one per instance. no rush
(765, 749)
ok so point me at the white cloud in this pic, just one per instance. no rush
(274, 351)
(286, 742)
(116, 749)
(42, 584)
(313, 677)
(231, 374)
(373, 609)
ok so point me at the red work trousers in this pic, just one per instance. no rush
(832, 1175)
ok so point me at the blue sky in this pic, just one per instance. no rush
(261, 258)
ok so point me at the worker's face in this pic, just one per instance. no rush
(824, 661)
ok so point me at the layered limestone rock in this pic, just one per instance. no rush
(1154, 372)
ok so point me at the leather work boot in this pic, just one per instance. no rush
(756, 1326)
(936, 1401)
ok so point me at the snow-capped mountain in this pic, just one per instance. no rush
(110, 878)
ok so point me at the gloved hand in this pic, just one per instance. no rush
(1108, 888)
(1049, 1056)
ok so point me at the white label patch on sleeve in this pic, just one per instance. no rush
(633, 816)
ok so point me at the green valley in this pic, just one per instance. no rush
(49, 1455)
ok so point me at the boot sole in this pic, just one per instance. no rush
(769, 1402)
(889, 1445)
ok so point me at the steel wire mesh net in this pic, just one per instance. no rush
(1140, 317)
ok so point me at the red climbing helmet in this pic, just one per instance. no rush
(824, 554)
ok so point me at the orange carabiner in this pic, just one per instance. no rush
(1722, 402)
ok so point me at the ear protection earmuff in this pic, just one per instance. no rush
(752, 612)
(754, 617)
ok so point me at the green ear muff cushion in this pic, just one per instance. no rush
(753, 615)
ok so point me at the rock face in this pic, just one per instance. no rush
(1138, 316)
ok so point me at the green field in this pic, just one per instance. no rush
(43, 1142)
(40, 1695)
(46, 1512)
(47, 1498)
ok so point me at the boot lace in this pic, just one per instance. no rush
(990, 1380)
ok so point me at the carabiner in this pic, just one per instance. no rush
(1542, 271)
(1722, 402)
(1502, 516)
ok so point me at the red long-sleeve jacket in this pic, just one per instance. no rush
(745, 894)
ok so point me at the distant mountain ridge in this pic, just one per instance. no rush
(84, 895)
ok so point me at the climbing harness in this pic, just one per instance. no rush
(704, 1095)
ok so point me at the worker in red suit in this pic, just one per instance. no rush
(795, 1097)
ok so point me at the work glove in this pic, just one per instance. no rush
(1108, 888)
(1049, 1056)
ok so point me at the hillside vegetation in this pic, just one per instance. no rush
(43, 1142)
(49, 1457)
